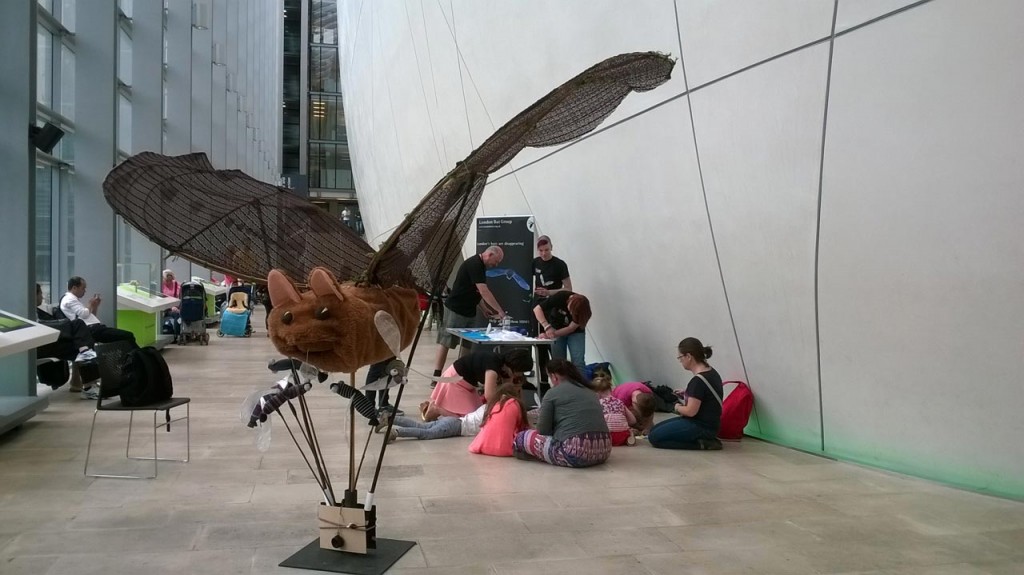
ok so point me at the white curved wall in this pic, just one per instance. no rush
(892, 337)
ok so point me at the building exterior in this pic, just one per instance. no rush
(315, 150)
(121, 77)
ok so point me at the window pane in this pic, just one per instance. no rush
(126, 7)
(48, 4)
(124, 57)
(44, 244)
(67, 14)
(67, 82)
(324, 22)
(68, 201)
(66, 148)
(44, 68)
(324, 70)
(124, 124)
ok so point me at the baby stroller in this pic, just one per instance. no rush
(234, 319)
(193, 314)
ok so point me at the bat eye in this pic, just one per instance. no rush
(286, 318)
(323, 313)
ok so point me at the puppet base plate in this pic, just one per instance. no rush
(375, 562)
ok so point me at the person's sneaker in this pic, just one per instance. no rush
(86, 356)
(383, 417)
(710, 444)
(393, 435)
(93, 393)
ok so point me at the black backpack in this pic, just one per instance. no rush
(664, 398)
(146, 378)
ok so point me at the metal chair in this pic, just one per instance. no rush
(111, 359)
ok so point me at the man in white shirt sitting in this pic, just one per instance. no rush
(72, 307)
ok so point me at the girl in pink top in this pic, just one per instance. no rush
(640, 400)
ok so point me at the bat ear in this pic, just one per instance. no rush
(323, 283)
(281, 289)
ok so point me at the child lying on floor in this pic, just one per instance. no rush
(446, 426)
(442, 427)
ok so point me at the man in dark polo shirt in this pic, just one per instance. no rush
(468, 292)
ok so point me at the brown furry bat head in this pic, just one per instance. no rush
(331, 326)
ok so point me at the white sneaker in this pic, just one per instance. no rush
(86, 356)
(93, 393)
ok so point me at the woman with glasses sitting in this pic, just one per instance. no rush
(700, 412)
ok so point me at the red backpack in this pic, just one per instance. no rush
(736, 411)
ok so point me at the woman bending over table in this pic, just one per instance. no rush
(562, 318)
(481, 373)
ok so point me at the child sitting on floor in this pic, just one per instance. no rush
(618, 417)
(504, 416)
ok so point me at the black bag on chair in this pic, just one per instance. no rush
(53, 373)
(147, 379)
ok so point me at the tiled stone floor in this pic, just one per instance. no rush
(752, 508)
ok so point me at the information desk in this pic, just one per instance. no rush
(140, 312)
(212, 291)
(17, 335)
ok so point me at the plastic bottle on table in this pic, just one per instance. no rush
(506, 323)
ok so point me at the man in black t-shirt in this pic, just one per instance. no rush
(550, 276)
(468, 292)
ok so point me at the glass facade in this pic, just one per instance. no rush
(44, 229)
(55, 96)
(291, 137)
(330, 165)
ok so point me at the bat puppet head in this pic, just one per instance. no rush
(331, 326)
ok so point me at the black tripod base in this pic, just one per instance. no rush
(375, 562)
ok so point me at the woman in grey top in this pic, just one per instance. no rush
(571, 430)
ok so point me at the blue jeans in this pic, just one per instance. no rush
(437, 429)
(378, 371)
(679, 433)
(575, 344)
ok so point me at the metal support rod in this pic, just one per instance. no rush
(309, 434)
(316, 444)
(436, 289)
(352, 438)
(303, 454)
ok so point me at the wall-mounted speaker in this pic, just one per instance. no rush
(45, 138)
